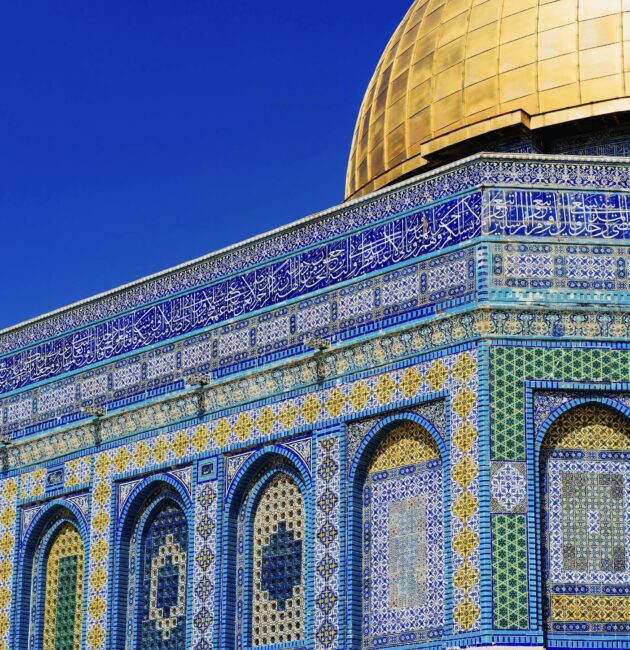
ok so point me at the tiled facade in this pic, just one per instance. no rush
(388, 491)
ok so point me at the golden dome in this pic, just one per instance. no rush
(457, 69)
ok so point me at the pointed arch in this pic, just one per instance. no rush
(584, 470)
(152, 583)
(397, 534)
(267, 558)
(51, 580)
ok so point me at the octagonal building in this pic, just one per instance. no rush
(401, 423)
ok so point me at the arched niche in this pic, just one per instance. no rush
(585, 524)
(51, 580)
(152, 575)
(397, 536)
(267, 554)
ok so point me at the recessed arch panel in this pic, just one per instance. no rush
(402, 519)
(585, 484)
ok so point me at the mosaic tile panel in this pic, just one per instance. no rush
(403, 563)
(427, 285)
(327, 543)
(483, 170)
(455, 374)
(204, 588)
(510, 367)
(278, 582)
(63, 612)
(556, 272)
(8, 520)
(508, 487)
(574, 325)
(586, 464)
(509, 563)
(339, 261)
(163, 567)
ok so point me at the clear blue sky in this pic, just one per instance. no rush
(138, 135)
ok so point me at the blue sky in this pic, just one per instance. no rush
(137, 135)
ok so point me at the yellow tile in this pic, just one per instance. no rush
(482, 39)
(600, 31)
(596, 8)
(556, 14)
(420, 97)
(557, 41)
(518, 25)
(453, 29)
(517, 53)
(600, 61)
(597, 90)
(485, 13)
(556, 98)
(450, 54)
(402, 62)
(395, 115)
(518, 83)
(409, 37)
(419, 126)
(449, 81)
(422, 71)
(480, 67)
(377, 160)
(395, 144)
(432, 21)
(447, 111)
(399, 87)
(511, 7)
(426, 45)
(482, 96)
(454, 8)
(559, 71)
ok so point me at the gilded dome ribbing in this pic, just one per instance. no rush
(456, 69)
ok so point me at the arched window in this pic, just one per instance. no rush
(403, 538)
(55, 614)
(157, 569)
(271, 563)
(585, 464)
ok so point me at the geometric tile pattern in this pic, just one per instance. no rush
(596, 272)
(204, 566)
(509, 559)
(8, 533)
(161, 617)
(430, 187)
(327, 542)
(508, 487)
(64, 591)
(455, 374)
(586, 465)
(510, 367)
(422, 285)
(403, 563)
(279, 568)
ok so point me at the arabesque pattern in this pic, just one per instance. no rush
(586, 464)
(63, 615)
(403, 531)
